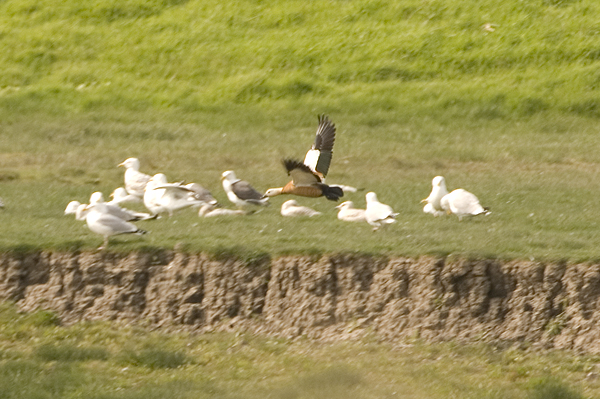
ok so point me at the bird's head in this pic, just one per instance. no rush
(371, 197)
(272, 192)
(131, 163)
(228, 175)
(438, 181)
(96, 197)
(345, 205)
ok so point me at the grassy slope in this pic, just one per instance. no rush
(93, 360)
(416, 88)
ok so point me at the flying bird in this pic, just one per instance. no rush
(433, 202)
(101, 222)
(240, 192)
(462, 203)
(378, 214)
(135, 181)
(308, 177)
(291, 208)
(349, 213)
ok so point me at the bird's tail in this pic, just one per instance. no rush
(332, 193)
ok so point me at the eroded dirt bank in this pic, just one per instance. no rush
(337, 296)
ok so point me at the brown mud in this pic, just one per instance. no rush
(551, 305)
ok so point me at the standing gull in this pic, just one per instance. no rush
(349, 213)
(378, 214)
(101, 222)
(291, 208)
(308, 177)
(433, 202)
(463, 203)
(135, 181)
(240, 192)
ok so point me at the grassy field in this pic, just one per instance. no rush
(39, 359)
(501, 99)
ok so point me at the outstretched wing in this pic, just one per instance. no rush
(319, 156)
(301, 174)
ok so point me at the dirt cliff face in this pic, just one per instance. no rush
(328, 297)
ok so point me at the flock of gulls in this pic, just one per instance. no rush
(109, 218)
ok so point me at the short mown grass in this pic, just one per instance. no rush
(108, 360)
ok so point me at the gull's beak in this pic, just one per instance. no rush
(222, 178)
(423, 200)
(121, 164)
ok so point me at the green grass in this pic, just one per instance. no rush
(106, 360)
(417, 89)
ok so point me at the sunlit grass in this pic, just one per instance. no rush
(541, 190)
(51, 361)
(417, 89)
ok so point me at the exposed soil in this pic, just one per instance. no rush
(328, 297)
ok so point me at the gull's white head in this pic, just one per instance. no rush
(131, 163)
(289, 203)
(345, 205)
(71, 208)
(119, 193)
(438, 181)
(159, 178)
(371, 197)
(229, 176)
(96, 198)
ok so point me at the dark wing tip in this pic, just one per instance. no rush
(291, 164)
(325, 137)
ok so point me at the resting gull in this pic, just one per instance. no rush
(135, 181)
(349, 213)
(462, 203)
(378, 214)
(209, 210)
(308, 177)
(291, 208)
(240, 192)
